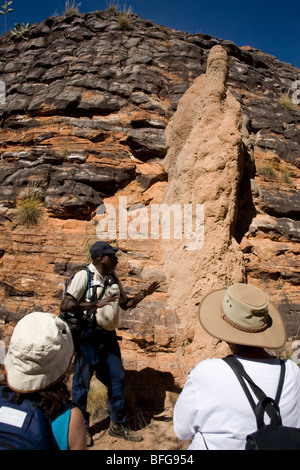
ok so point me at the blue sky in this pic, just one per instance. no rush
(271, 26)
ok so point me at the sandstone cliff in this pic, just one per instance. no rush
(93, 113)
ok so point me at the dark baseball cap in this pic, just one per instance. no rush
(101, 249)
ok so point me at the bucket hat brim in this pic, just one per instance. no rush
(213, 323)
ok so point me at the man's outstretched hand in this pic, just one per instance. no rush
(138, 298)
(152, 288)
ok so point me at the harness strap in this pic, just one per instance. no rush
(92, 312)
(271, 406)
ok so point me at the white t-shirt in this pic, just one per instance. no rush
(214, 411)
(107, 317)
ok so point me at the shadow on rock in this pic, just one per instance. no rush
(149, 394)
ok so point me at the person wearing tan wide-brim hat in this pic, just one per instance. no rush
(212, 408)
(242, 314)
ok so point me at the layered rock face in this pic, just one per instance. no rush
(84, 124)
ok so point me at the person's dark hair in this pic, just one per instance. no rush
(51, 401)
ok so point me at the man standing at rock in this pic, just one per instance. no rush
(96, 294)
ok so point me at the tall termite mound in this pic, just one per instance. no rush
(204, 165)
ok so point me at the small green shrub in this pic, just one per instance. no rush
(286, 176)
(269, 171)
(22, 31)
(5, 11)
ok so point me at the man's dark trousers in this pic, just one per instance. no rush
(99, 353)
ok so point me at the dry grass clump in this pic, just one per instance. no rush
(97, 404)
(124, 22)
(124, 15)
(286, 101)
(29, 209)
(71, 8)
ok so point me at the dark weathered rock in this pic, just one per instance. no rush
(147, 143)
(71, 199)
(280, 203)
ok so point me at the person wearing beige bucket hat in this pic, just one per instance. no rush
(212, 408)
(37, 366)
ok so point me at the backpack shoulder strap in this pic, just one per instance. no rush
(231, 361)
(271, 406)
(281, 381)
(92, 290)
(91, 313)
(88, 282)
